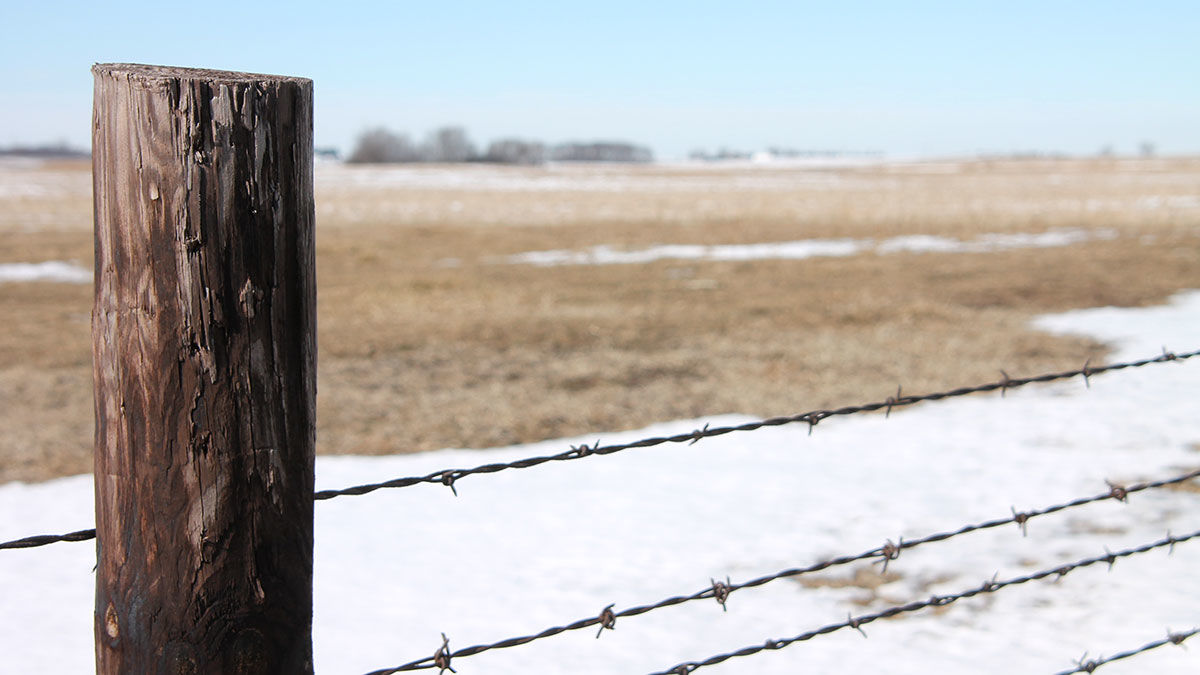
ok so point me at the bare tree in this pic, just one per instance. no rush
(448, 144)
(516, 151)
(376, 146)
(602, 151)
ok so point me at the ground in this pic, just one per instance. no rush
(430, 338)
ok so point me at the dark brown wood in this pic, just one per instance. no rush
(204, 331)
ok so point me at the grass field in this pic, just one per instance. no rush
(428, 338)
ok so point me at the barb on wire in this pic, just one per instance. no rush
(720, 591)
(608, 620)
(441, 658)
(1086, 665)
(448, 477)
(889, 552)
(811, 418)
(990, 586)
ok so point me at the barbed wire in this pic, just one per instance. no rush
(1086, 665)
(721, 590)
(448, 477)
(990, 586)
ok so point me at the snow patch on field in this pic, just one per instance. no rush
(519, 551)
(811, 248)
(53, 270)
(24, 179)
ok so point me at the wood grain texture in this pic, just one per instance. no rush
(204, 335)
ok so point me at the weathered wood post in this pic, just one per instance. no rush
(204, 331)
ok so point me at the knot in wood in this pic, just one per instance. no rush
(112, 626)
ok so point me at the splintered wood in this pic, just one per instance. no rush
(204, 337)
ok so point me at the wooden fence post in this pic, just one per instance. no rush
(204, 335)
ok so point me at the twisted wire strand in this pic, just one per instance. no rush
(1086, 665)
(44, 539)
(720, 591)
(448, 477)
(990, 586)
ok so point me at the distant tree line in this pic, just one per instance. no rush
(451, 144)
(60, 150)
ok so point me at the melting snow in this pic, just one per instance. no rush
(523, 550)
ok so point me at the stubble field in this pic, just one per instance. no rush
(431, 335)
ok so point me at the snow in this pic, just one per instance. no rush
(585, 177)
(811, 248)
(54, 270)
(1174, 202)
(523, 550)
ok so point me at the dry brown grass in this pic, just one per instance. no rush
(416, 355)
(868, 582)
(866, 579)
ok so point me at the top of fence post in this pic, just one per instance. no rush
(148, 73)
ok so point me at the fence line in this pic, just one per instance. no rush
(720, 591)
(448, 477)
(1086, 665)
(990, 586)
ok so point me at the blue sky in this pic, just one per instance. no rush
(906, 78)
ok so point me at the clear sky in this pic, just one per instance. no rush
(905, 77)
